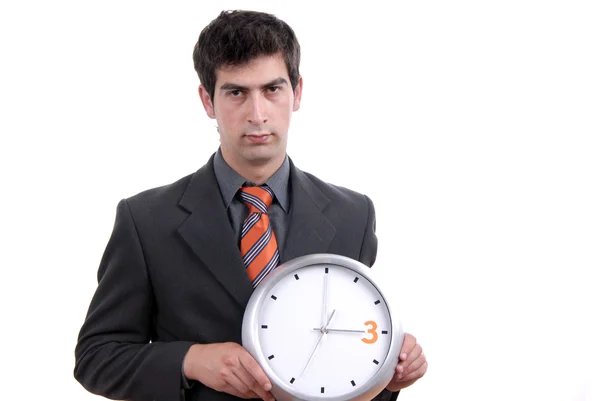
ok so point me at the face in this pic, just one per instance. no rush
(253, 106)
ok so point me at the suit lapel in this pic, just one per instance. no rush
(208, 233)
(309, 231)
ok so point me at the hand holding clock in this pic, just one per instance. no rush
(412, 365)
(227, 367)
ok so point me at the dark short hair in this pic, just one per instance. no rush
(237, 37)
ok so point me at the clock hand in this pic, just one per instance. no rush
(343, 330)
(327, 324)
(312, 354)
(325, 293)
(323, 332)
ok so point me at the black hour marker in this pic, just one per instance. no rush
(326, 271)
(271, 357)
(264, 326)
(292, 381)
(353, 384)
(322, 390)
(355, 279)
(273, 296)
(375, 361)
(376, 302)
(297, 278)
(383, 331)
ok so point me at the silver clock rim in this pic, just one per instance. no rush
(250, 337)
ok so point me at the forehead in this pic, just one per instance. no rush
(256, 72)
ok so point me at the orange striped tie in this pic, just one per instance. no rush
(258, 244)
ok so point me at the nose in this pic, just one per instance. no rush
(258, 110)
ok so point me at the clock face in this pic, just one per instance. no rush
(324, 330)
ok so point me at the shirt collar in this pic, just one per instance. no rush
(230, 181)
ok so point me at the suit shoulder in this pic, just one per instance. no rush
(165, 194)
(337, 193)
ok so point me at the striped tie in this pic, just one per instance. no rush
(258, 244)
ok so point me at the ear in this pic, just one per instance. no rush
(298, 94)
(206, 102)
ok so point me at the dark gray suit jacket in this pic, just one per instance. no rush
(172, 276)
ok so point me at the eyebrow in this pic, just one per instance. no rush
(231, 86)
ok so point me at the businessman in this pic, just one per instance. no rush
(183, 259)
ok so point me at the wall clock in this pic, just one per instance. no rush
(322, 329)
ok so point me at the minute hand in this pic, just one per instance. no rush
(343, 330)
(325, 297)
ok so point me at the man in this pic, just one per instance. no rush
(165, 321)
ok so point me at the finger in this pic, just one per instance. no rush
(407, 346)
(251, 385)
(254, 374)
(416, 364)
(414, 353)
(256, 371)
(229, 376)
(395, 386)
(233, 391)
(415, 374)
(239, 387)
(404, 366)
(402, 370)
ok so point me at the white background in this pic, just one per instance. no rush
(473, 126)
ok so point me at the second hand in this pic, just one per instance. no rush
(323, 333)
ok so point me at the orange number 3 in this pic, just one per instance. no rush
(371, 331)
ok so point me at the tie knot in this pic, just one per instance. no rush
(259, 198)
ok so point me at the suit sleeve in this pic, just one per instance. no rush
(368, 250)
(368, 253)
(114, 355)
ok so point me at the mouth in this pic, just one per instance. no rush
(258, 137)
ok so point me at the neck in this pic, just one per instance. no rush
(257, 173)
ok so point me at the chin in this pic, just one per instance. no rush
(262, 156)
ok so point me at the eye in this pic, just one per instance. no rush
(273, 89)
(235, 93)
